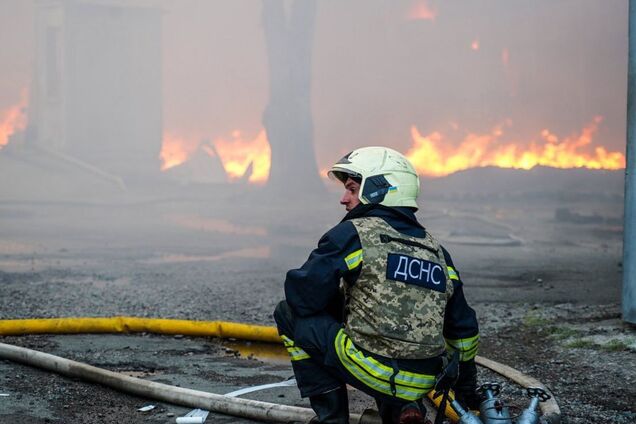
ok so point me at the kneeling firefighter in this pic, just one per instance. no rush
(379, 304)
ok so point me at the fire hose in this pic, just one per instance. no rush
(252, 409)
(262, 410)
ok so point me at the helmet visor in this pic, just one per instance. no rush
(343, 175)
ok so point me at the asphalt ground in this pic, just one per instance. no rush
(547, 293)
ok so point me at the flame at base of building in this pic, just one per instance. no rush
(13, 119)
(175, 150)
(434, 155)
(243, 159)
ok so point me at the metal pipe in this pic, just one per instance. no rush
(550, 410)
(629, 231)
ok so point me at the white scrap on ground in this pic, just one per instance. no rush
(147, 408)
(196, 416)
(284, 383)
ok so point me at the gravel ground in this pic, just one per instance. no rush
(547, 294)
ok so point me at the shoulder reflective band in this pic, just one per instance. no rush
(374, 374)
(467, 347)
(452, 274)
(295, 353)
(353, 259)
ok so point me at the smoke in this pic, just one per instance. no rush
(143, 134)
(380, 68)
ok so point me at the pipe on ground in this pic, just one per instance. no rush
(550, 409)
(251, 409)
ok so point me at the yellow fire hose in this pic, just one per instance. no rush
(223, 329)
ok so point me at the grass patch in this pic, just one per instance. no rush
(614, 345)
(581, 344)
(546, 326)
(563, 332)
(532, 320)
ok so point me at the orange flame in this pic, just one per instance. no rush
(13, 119)
(422, 11)
(175, 150)
(238, 154)
(432, 155)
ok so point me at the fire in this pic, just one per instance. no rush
(505, 57)
(433, 155)
(175, 150)
(422, 10)
(238, 154)
(13, 119)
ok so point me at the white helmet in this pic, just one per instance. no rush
(386, 177)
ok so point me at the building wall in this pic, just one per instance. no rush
(99, 84)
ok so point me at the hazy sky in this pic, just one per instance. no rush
(465, 66)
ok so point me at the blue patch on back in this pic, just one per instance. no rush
(416, 271)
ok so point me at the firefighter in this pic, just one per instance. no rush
(378, 304)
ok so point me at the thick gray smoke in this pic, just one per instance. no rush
(106, 85)
(378, 67)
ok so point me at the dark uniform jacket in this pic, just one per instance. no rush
(315, 287)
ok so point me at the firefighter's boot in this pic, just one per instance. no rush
(331, 407)
(413, 413)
